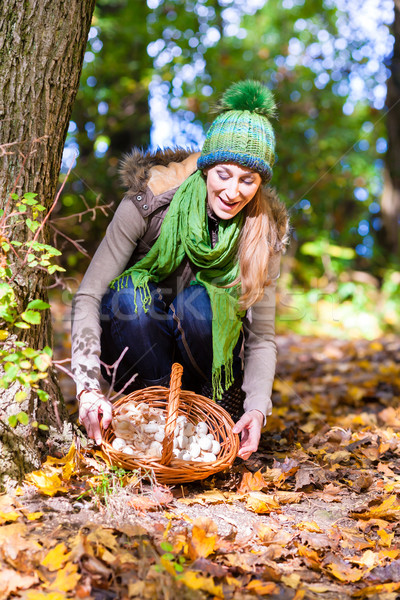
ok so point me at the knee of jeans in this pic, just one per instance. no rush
(193, 303)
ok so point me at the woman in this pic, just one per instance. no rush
(187, 271)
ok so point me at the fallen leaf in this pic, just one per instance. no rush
(208, 497)
(203, 538)
(9, 517)
(33, 516)
(261, 503)
(194, 581)
(251, 482)
(56, 558)
(66, 579)
(386, 538)
(311, 526)
(292, 580)
(49, 485)
(11, 581)
(390, 572)
(377, 590)
(262, 587)
(341, 570)
(37, 595)
(268, 535)
(388, 509)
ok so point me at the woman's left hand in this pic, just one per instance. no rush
(250, 427)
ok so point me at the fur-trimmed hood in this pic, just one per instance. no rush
(164, 170)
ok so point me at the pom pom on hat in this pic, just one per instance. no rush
(248, 95)
(242, 133)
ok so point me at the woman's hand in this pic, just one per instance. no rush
(92, 406)
(250, 427)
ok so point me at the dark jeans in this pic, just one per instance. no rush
(180, 332)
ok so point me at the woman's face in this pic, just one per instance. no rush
(229, 188)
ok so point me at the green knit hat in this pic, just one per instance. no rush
(242, 132)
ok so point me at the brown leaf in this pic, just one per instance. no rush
(251, 482)
(377, 590)
(390, 572)
(209, 568)
(11, 581)
(341, 570)
(259, 503)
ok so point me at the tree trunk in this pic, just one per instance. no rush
(390, 202)
(42, 43)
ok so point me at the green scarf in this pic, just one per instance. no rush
(184, 232)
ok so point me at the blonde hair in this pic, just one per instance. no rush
(263, 234)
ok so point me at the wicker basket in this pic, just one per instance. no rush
(175, 402)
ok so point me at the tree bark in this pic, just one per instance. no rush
(390, 202)
(42, 44)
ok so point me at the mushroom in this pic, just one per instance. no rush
(194, 450)
(118, 443)
(216, 447)
(209, 457)
(202, 427)
(205, 443)
(128, 450)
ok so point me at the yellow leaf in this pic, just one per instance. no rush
(56, 558)
(11, 581)
(345, 573)
(33, 516)
(377, 590)
(136, 590)
(259, 503)
(37, 595)
(309, 526)
(7, 517)
(194, 581)
(203, 539)
(389, 509)
(66, 579)
(103, 536)
(262, 587)
(291, 580)
(208, 497)
(3, 334)
(49, 485)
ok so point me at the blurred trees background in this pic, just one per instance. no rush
(152, 72)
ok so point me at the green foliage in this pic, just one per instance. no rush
(19, 363)
(175, 562)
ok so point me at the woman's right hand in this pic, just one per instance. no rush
(92, 407)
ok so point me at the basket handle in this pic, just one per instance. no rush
(172, 413)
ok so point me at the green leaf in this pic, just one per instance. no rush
(29, 352)
(29, 195)
(42, 395)
(38, 304)
(178, 568)
(44, 427)
(20, 396)
(14, 196)
(17, 244)
(5, 246)
(22, 325)
(42, 362)
(48, 351)
(32, 225)
(166, 546)
(53, 268)
(29, 201)
(31, 316)
(23, 418)
(11, 371)
(12, 419)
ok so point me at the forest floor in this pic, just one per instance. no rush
(313, 514)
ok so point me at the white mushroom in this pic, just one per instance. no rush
(128, 450)
(210, 435)
(205, 443)
(216, 447)
(151, 427)
(186, 455)
(194, 450)
(209, 457)
(182, 441)
(118, 443)
(159, 436)
(202, 427)
(155, 449)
